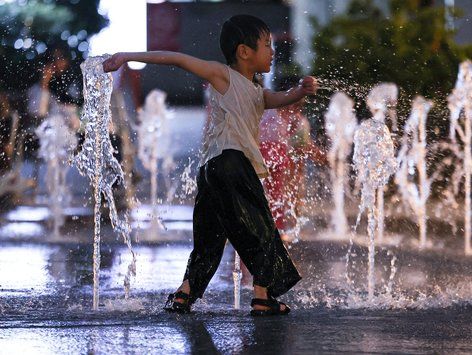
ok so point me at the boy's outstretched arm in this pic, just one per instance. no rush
(213, 72)
(275, 99)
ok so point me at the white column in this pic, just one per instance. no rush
(302, 29)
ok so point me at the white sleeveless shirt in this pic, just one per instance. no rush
(233, 121)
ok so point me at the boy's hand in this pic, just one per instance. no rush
(308, 85)
(114, 62)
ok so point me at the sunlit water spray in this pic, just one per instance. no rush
(412, 162)
(381, 102)
(341, 123)
(237, 276)
(460, 105)
(96, 161)
(57, 142)
(374, 161)
(189, 184)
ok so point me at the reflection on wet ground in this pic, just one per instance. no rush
(302, 332)
(46, 298)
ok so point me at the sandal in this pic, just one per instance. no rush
(272, 303)
(178, 307)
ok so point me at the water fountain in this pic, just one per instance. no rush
(460, 101)
(189, 184)
(418, 288)
(237, 276)
(340, 122)
(123, 122)
(412, 162)
(374, 161)
(57, 141)
(154, 143)
(96, 161)
(381, 101)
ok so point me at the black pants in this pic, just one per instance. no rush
(231, 204)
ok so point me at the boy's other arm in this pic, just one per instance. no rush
(275, 99)
(213, 72)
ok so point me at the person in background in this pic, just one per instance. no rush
(54, 93)
(286, 145)
(274, 146)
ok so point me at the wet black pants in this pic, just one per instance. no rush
(230, 204)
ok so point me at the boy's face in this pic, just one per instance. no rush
(263, 56)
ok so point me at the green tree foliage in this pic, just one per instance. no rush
(410, 46)
(29, 29)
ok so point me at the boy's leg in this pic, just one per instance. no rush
(208, 242)
(245, 215)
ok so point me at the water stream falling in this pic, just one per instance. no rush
(237, 275)
(412, 161)
(460, 105)
(374, 161)
(341, 124)
(96, 161)
(381, 101)
(57, 142)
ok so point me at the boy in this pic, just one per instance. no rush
(230, 202)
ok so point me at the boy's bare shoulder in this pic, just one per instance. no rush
(220, 68)
(220, 77)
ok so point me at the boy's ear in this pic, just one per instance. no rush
(242, 51)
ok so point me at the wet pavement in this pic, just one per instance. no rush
(314, 331)
(422, 303)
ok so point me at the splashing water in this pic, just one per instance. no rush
(393, 271)
(189, 185)
(459, 101)
(96, 161)
(355, 90)
(381, 102)
(154, 141)
(374, 162)
(411, 160)
(237, 275)
(57, 141)
(341, 123)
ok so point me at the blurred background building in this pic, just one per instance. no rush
(92, 27)
(193, 27)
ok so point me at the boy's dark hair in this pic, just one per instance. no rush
(240, 29)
